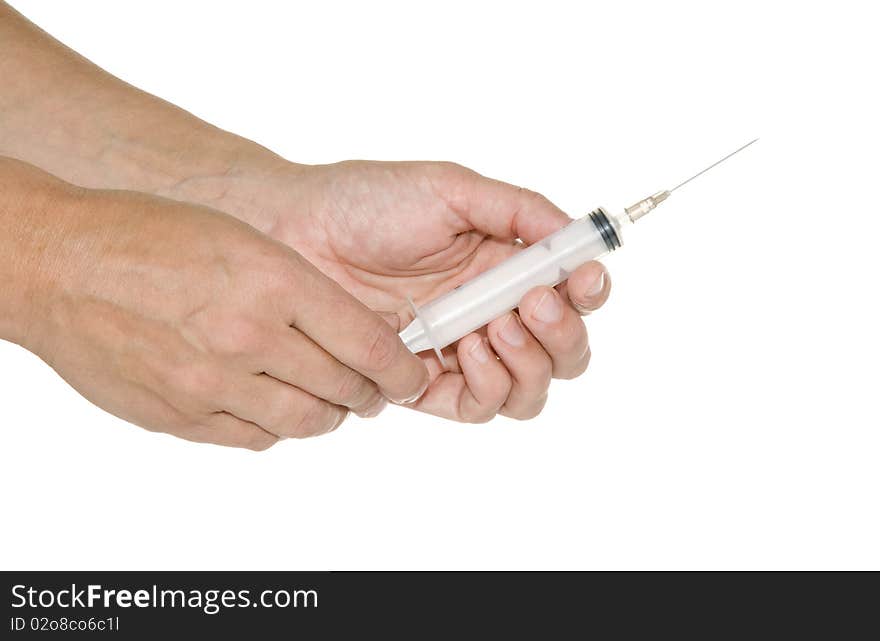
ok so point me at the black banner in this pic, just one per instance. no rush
(413, 605)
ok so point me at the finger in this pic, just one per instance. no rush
(356, 336)
(587, 288)
(529, 365)
(295, 359)
(224, 429)
(506, 211)
(475, 395)
(281, 409)
(558, 328)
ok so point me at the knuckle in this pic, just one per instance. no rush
(490, 405)
(239, 336)
(450, 167)
(316, 418)
(282, 276)
(275, 418)
(478, 413)
(352, 388)
(530, 414)
(532, 195)
(382, 348)
(290, 271)
(280, 413)
(197, 381)
(527, 412)
(480, 416)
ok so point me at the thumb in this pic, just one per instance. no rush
(506, 211)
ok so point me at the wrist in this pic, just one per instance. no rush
(152, 147)
(231, 174)
(34, 213)
(69, 117)
(101, 133)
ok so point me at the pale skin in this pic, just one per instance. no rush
(139, 304)
(272, 325)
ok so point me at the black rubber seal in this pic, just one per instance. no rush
(609, 234)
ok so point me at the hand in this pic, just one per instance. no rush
(184, 320)
(385, 231)
(382, 230)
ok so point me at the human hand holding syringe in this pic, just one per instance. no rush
(547, 262)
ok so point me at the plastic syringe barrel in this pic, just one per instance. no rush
(500, 289)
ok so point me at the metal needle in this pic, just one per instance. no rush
(714, 164)
(634, 212)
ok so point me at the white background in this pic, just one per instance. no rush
(729, 418)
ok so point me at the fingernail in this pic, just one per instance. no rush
(549, 308)
(412, 399)
(479, 352)
(375, 409)
(597, 287)
(512, 332)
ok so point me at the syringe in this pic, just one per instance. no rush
(498, 290)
